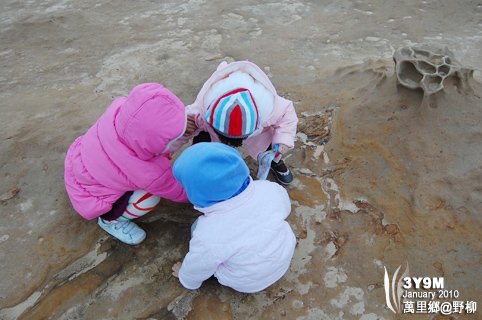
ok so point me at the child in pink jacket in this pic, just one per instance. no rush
(242, 237)
(238, 105)
(118, 170)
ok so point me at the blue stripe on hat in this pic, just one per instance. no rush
(251, 108)
(244, 119)
(218, 113)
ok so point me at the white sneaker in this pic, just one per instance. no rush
(126, 231)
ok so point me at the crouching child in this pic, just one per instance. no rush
(242, 237)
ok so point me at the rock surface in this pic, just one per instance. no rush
(427, 68)
(384, 176)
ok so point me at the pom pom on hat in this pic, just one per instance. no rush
(234, 114)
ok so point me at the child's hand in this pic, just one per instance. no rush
(190, 126)
(282, 148)
(175, 269)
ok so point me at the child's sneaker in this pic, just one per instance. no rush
(126, 231)
(281, 172)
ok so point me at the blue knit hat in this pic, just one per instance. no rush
(211, 172)
(234, 114)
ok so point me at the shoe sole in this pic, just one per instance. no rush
(134, 244)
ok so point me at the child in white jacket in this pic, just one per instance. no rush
(242, 238)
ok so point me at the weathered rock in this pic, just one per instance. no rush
(427, 68)
(392, 183)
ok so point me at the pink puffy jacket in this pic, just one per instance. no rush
(126, 149)
(279, 126)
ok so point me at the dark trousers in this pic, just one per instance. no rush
(118, 207)
(203, 136)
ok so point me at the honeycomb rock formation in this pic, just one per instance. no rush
(426, 68)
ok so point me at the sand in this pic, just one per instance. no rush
(383, 175)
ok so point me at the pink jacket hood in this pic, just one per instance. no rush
(127, 149)
(138, 125)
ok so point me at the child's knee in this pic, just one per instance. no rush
(144, 200)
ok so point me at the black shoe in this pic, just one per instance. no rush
(281, 172)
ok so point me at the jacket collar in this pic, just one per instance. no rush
(232, 203)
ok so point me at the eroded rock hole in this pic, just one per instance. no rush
(433, 83)
(409, 73)
(421, 53)
(444, 70)
(425, 67)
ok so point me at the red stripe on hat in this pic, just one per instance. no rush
(211, 118)
(236, 122)
(256, 107)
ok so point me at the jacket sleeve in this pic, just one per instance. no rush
(193, 110)
(285, 202)
(285, 127)
(198, 265)
(166, 186)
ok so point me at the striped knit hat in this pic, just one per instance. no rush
(234, 114)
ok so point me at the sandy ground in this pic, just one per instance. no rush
(384, 177)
